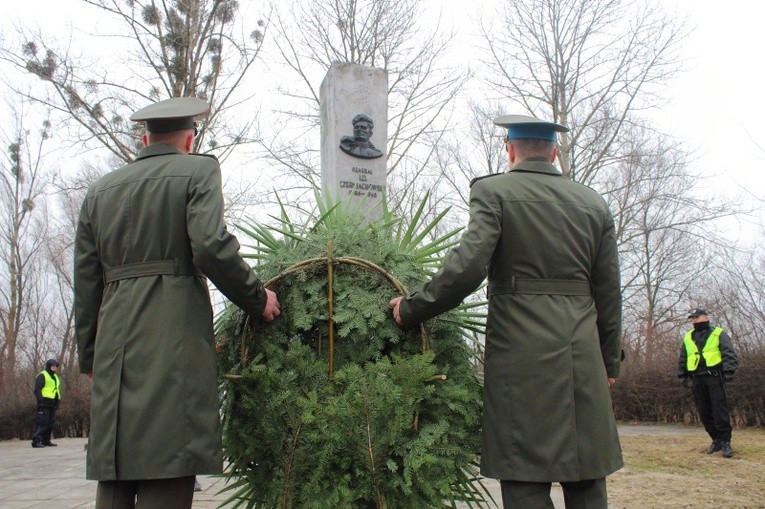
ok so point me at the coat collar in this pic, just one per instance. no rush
(156, 149)
(537, 166)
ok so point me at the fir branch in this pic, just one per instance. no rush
(398, 423)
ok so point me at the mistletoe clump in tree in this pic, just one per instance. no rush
(333, 404)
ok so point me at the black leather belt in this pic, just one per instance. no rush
(706, 372)
(175, 267)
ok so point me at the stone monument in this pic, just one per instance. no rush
(354, 135)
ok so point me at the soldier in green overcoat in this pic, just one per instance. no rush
(148, 237)
(553, 347)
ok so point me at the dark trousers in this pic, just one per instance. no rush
(709, 395)
(536, 495)
(44, 420)
(176, 493)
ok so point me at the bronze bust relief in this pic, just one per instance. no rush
(359, 145)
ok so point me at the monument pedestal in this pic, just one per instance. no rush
(354, 135)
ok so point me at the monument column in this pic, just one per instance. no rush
(354, 135)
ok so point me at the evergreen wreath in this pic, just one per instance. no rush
(333, 405)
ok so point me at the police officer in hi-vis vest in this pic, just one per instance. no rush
(708, 359)
(48, 394)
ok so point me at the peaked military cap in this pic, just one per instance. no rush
(697, 312)
(169, 115)
(525, 127)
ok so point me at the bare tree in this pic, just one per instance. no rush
(754, 193)
(594, 65)
(588, 64)
(68, 193)
(22, 187)
(666, 229)
(736, 295)
(166, 48)
(39, 340)
(476, 151)
(387, 34)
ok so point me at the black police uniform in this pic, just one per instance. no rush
(708, 385)
(45, 416)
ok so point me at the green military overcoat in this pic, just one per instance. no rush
(548, 247)
(147, 236)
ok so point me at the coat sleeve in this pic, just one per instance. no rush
(606, 285)
(464, 267)
(682, 362)
(39, 384)
(729, 357)
(88, 289)
(215, 250)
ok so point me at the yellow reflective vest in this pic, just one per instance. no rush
(711, 351)
(52, 387)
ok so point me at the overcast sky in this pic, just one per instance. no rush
(716, 106)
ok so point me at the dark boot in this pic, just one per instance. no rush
(727, 452)
(716, 446)
(49, 444)
(37, 444)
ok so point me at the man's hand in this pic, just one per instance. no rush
(395, 303)
(611, 381)
(272, 309)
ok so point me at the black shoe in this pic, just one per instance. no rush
(716, 446)
(49, 444)
(37, 444)
(727, 452)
